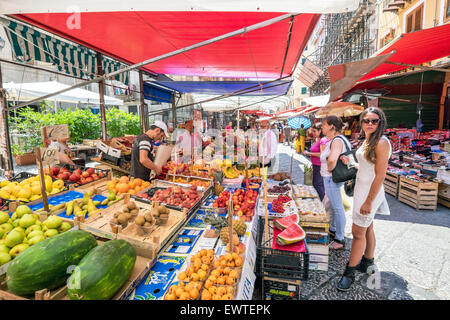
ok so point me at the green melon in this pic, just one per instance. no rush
(102, 271)
(47, 264)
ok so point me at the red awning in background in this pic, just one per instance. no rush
(135, 36)
(415, 48)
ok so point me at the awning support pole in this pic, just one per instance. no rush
(143, 111)
(5, 143)
(167, 55)
(174, 112)
(101, 87)
(442, 101)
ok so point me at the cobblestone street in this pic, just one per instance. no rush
(412, 253)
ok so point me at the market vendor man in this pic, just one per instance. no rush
(188, 140)
(268, 144)
(142, 151)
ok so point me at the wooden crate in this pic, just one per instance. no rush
(391, 183)
(148, 245)
(419, 195)
(444, 195)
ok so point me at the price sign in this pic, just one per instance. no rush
(49, 156)
(60, 131)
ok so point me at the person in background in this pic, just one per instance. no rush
(268, 144)
(65, 155)
(142, 151)
(287, 134)
(316, 148)
(229, 127)
(331, 128)
(188, 141)
(373, 156)
(302, 137)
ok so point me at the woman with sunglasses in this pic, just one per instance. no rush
(372, 156)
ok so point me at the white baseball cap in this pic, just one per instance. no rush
(162, 126)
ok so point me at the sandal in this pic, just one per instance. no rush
(332, 245)
(332, 234)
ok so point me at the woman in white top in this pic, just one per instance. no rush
(332, 127)
(372, 156)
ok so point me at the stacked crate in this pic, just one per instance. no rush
(391, 183)
(419, 195)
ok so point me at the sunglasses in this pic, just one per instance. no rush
(372, 121)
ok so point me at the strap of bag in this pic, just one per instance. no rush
(349, 147)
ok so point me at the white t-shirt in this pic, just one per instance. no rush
(270, 148)
(326, 152)
(187, 142)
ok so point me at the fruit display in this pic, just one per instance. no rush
(244, 203)
(278, 203)
(222, 200)
(192, 279)
(231, 173)
(78, 175)
(283, 223)
(280, 176)
(199, 183)
(45, 264)
(24, 229)
(292, 234)
(101, 272)
(126, 184)
(177, 196)
(29, 189)
(218, 188)
(279, 189)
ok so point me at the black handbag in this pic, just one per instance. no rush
(349, 187)
(345, 172)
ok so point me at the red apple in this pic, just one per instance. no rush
(66, 175)
(85, 174)
(89, 179)
(60, 176)
(74, 178)
(91, 171)
(54, 171)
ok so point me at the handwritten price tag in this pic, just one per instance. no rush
(60, 131)
(49, 156)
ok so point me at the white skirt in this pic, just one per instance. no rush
(379, 204)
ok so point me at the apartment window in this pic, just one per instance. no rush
(304, 89)
(447, 11)
(414, 20)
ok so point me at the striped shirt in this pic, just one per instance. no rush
(141, 142)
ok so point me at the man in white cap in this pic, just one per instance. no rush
(142, 151)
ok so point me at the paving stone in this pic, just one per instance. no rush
(357, 292)
(315, 280)
(399, 294)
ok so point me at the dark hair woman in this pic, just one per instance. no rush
(331, 127)
(314, 153)
(372, 156)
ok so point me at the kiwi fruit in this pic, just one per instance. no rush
(134, 212)
(147, 224)
(114, 221)
(128, 215)
(131, 206)
(122, 219)
(116, 215)
(140, 220)
(148, 217)
(125, 209)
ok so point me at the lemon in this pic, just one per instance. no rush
(4, 194)
(4, 183)
(24, 193)
(36, 190)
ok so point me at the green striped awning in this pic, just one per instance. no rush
(30, 45)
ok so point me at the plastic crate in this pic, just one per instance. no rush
(109, 159)
(280, 289)
(279, 263)
(22, 176)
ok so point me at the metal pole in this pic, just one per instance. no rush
(5, 147)
(142, 106)
(168, 55)
(101, 87)
(174, 112)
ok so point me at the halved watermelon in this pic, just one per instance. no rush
(294, 233)
(285, 222)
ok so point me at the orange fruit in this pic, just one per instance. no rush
(206, 295)
(212, 290)
(227, 270)
(193, 293)
(208, 284)
(170, 296)
(124, 179)
(182, 276)
(195, 277)
(123, 187)
(221, 280)
(204, 267)
(216, 297)
(179, 292)
(203, 252)
(138, 181)
(233, 274)
(185, 296)
(230, 281)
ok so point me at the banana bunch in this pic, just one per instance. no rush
(231, 173)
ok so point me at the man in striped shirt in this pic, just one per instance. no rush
(142, 156)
